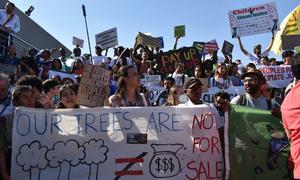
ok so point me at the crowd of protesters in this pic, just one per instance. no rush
(31, 86)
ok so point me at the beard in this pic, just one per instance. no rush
(252, 89)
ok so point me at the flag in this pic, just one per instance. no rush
(289, 26)
(258, 146)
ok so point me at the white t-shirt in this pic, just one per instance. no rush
(13, 24)
(179, 79)
(254, 59)
(100, 59)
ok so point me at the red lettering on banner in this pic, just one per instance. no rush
(203, 144)
(204, 170)
(206, 121)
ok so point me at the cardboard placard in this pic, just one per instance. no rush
(92, 87)
(227, 48)
(148, 40)
(179, 31)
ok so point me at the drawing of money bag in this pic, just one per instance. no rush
(164, 162)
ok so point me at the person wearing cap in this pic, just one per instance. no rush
(257, 54)
(253, 98)
(288, 57)
(290, 110)
(99, 59)
(193, 90)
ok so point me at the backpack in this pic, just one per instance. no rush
(242, 101)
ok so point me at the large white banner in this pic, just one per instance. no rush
(253, 20)
(116, 143)
(277, 76)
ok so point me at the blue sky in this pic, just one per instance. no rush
(204, 20)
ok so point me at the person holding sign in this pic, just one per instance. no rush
(256, 57)
(127, 93)
(221, 79)
(22, 96)
(97, 60)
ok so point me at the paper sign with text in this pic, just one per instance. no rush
(277, 76)
(108, 38)
(92, 87)
(78, 42)
(253, 20)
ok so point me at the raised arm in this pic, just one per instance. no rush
(241, 46)
(271, 42)
(175, 44)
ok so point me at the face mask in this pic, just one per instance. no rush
(183, 98)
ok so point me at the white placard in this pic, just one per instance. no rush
(253, 20)
(78, 42)
(108, 38)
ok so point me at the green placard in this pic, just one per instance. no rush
(179, 31)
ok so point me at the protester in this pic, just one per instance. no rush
(56, 65)
(51, 88)
(264, 61)
(288, 57)
(256, 57)
(78, 67)
(221, 79)
(127, 93)
(290, 117)
(234, 75)
(100, 58)
(253, 97)
(10, 58)
(22, 96)
(6, 106)
(272, 62)
(63, 59)
(168, 83)
(42, 101)
(193, 90)
(179, 75)
(174, 96)
(68, 95)
(28, 63)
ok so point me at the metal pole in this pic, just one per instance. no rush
(87, 31)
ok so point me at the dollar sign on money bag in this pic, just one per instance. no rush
(164, 162)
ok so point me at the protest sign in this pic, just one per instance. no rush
(161, 45)
(227, 48)
(78, 42)
(62, 75)
(277, 76)
(258, 146)
(154, 92)
(179, 31)
(92, 87)
(211, 46)
(290, 42)
(189, 56)
(152, 79)
(8, 69)
(108, 38)
(253, 20)
(147, 40)
(233, 91)
(113, 143)
(199, 47)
